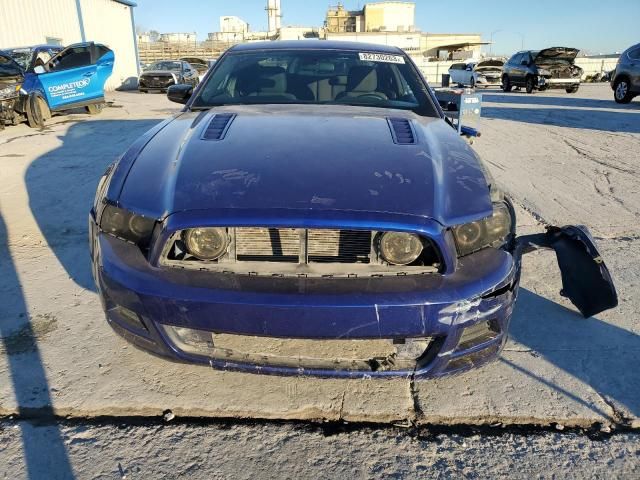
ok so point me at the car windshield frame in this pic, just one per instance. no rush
(405, 72)
(153, 66)
(22, 56)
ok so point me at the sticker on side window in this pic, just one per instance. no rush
(381, 57)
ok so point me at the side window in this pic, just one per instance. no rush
(525, 59)
(72, 57)
(634, 54)
(457, 66)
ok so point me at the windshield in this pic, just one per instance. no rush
(316, 77)
(22, 57)
(8, 67)
(173, 66)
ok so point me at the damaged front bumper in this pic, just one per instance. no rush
(8, 114)
(544, 82)
(419, 326)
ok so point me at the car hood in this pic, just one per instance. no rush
(308, 157)
(158, 72)
(557, 53)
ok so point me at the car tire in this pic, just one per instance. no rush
(621, 91)
(572, 89)
(37, 111)
(95, 108)
(506, 84)
(143, 91)
(529, 84)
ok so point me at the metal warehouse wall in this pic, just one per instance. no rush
(31, 22)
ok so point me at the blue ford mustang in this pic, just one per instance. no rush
(311, 211)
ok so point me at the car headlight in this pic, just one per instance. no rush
(10, 91)
(400, 248)
(206, 243)
(127, 225)
(492, 231)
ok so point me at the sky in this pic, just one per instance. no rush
(597, 26)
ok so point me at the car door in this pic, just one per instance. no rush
(74, 76)
(455, 72)
(519, 68)
(633, 62)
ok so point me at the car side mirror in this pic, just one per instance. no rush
(179, 93)
(39, 70)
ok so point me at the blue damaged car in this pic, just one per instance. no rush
(45, 79)
(311, 211)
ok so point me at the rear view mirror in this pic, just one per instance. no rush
(39, 70)
(180, 93)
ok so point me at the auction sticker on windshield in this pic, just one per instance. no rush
(381, 57)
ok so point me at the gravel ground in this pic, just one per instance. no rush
(245, 451)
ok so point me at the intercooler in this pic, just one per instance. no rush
(302, 245)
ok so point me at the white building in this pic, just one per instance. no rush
(63, 22)
(179, 37)
(232, 24)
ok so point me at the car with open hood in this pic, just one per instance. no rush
(159, 76)
(311, 211)
(625, 79)
(48, 80)
(486, 72)
(543, 69)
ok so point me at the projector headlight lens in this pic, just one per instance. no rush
(400, 248)
(127, 225)
(206, 243)
(492, 231)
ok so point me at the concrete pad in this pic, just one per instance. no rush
(58, 356)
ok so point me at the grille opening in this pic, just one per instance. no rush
(267, 244)
(338, 246)
(217, 126)
(402, 131)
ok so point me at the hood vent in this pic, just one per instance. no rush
(218, 126)
(402, 131)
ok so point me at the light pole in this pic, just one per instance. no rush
(491, 41)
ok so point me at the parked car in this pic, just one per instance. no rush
(199, 64)
(161, 75)
(51, 80)
(549, 68)
(311, 212)
(625, 79)
(480, 73)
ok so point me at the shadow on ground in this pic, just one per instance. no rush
(601, 120)
(62, 185)
(599, 354)
(44, 450)
(561, 100)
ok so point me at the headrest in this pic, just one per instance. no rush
(362, 79)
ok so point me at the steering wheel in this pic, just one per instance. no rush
(373, 96)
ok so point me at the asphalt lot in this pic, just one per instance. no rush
(563, 158)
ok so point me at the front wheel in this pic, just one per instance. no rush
(573, 89)
(506, 84)
(529, 85)
(95, 108)
(621, 92)
(37, 112)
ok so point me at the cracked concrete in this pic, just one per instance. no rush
(557, 367)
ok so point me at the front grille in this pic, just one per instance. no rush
(155, 81)
(301, 252)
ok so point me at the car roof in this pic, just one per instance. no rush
(35, 47)
(316, 45)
